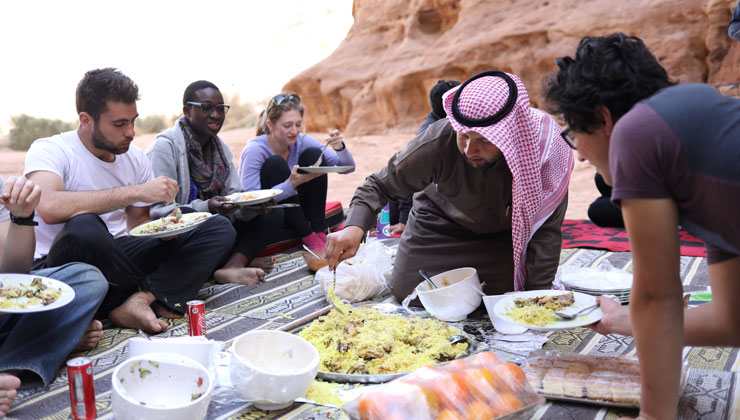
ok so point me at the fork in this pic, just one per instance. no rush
(178, 213)
(566, 315)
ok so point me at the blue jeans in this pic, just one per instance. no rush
(39, 343)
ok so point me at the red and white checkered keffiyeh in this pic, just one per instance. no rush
(539, 160)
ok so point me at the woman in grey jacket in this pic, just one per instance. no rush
(202, 164)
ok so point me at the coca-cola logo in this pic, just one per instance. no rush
(195, 310)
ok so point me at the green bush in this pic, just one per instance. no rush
(26, 129)
(151, 124)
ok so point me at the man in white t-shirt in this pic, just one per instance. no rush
(96, 187)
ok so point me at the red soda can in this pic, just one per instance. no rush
(196, 317)
(81, 390)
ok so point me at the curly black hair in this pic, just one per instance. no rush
(194, 87)
(615, 71)
(101, 85)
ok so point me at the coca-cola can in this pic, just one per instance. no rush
(196, 317)
(81, 389)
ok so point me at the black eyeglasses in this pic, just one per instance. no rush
(282, 98)
(208, 107)
(565, 134)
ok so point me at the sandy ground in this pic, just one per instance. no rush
(370, 152)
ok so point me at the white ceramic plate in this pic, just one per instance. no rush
(581, 301)
(25, 279)
(188, 225)
(255, 197)
(324, 169)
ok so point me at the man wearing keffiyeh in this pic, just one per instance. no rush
(493, 181)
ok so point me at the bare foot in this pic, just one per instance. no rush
(164, 312)
(265, 263)
(136, 313)
(8, 386)
(90, 338)
(245, 276)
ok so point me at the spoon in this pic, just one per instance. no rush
(145, 335)
(458, 338)
(318, 258)
(427, 278)
(321, 156)
(333, 298)
(566, 315)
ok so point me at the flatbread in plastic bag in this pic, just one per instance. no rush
(361, 277)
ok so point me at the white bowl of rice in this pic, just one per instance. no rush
(458, 293)
(273, 368)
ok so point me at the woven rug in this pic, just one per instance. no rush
(291, 298)
(585, 234)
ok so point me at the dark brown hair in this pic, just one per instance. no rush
(102, 85)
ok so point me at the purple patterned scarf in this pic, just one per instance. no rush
(209, 170)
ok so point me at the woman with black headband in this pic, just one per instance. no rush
(493, 180)
(271, 160)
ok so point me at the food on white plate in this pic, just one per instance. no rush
(169, 223)
(552, 302)
(540, 310)
(25, 296)
(239, 197)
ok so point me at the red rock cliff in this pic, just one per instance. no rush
(379, 77)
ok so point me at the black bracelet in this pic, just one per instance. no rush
(24, 221)
(344, 146)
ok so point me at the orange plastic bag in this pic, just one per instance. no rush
(477, 387)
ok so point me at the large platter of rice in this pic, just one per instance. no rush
(368, 346)
(542, 318)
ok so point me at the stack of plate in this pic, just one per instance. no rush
(617, 283)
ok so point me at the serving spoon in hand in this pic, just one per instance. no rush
(428, 279)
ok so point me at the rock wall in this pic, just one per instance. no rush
(379, 77)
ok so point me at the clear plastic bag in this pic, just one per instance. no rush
(477, 387)
(361, 277)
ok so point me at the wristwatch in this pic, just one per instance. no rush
(24, 221)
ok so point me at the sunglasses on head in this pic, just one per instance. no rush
(282, 98)
(207, 107)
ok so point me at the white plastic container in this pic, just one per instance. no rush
(458, 294)
(272, 368)
(199, 349)
(161, 386)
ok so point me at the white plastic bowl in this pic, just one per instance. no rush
(272, 368)
(200, 349)
(161, 386)
(458, 294)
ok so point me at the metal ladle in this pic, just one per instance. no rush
(428, 279)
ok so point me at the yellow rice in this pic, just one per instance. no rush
(369, 342)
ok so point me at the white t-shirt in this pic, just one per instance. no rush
(65, 155)
(4, 213)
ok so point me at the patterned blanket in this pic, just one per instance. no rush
(585, 234)
(291, 297)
